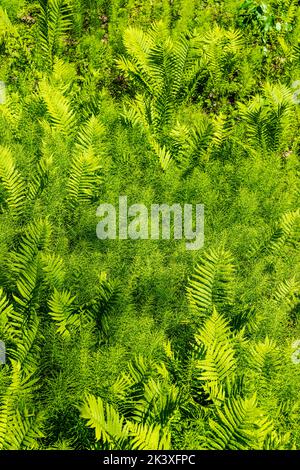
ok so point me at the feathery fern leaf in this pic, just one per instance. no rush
(289, 292)
(21, 384)
(267, 117)
(59, 108)
(24, 263)
(62, 312)
(117, 433)
(90, 135)
(40, 178)
(285, 232)
(13, 182)
(24, 432)
(215, 356)
(54, 22)
(211, 284)
(53, 267)
(84, 178)
(240, 425)
(264, 358)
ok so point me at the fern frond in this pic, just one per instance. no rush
(163, 154)
(84, 178)
(6, 26)
(54, 270)
(211, 284)
(90, 135)
(59, 108)
(149, 437)
(25, 350)
(117, 433)
(102, 303)
(6, 308)
(40, 178)
(267, 117)
(62, 312)
(24, 432)
(278, 441)
(13, 182)
(285, 231)
(24, 263)
(239, 425)
(289, 292)
(21, 384)
(54, 22)
(264, 357)
(109, 426)
(158, 403)
(215, 357)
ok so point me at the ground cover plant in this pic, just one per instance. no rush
(143, 344)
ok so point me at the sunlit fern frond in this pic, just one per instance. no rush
(24, 432)
(6, 308)
(288, 292)
(63, 75)
(238, 425)
(13, 183)
(218, 47)
(195, 145)
(6, 26)
(149, 436)
(115, 432)
(102, 303)
(287, 231)
(21, 385)
(59, 109)
(84, 178)
(163, 154)
(24, 262)
(62, 311)
(211, 284)
(23, 336)
(39, 179)
(137, 112)
(26, 349)
(90, 135)
(279, 441)
(158, 403)
(138, 45)
(54, 22)
(158, 65)
(215, 357)
(109, 425)
(264, 358)
(54, 269)
(268, 116)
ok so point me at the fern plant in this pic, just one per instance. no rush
(54, 23)
(115, 432)
(13, 182)
(157, 65)
(211, 284)
(59, 108)
(17, 429)
(267, 118)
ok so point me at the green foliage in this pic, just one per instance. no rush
(142, 344)
(211, 284)
(54, 23)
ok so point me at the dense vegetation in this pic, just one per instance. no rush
(142, 344)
